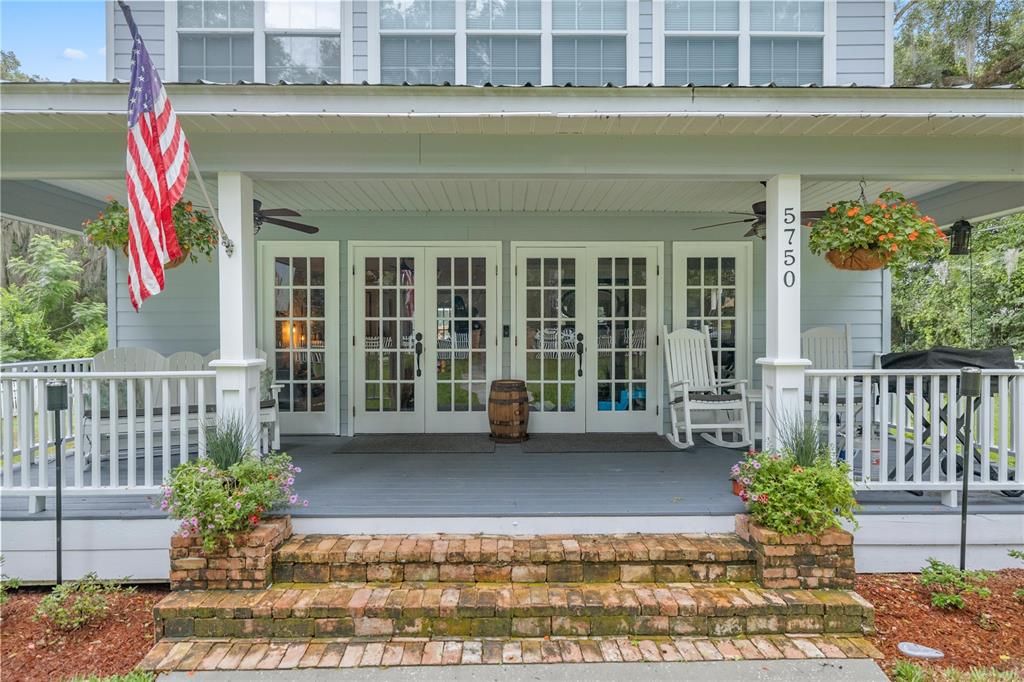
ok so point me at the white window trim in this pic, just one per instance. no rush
(743, 36)
(889, 76)
(743, 253)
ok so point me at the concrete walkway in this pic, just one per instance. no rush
(829, 670)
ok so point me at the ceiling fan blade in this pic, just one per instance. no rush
(256, 203)
(756, 230)
(291, 225)
(280, 212)
(729, 222)
(759, 207)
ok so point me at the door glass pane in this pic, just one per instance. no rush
(300, 327)
(551, 330)
(460, 328)
(710, 296)
(622, 334)
(389, 343)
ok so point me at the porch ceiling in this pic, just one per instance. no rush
(530, 195)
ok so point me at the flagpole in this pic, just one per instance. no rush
(229, 246)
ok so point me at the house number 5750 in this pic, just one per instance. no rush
(789, 253)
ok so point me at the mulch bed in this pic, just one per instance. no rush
(31, 650)
(986, 633)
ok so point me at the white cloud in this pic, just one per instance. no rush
(74, 54)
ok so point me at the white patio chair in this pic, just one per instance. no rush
(270, 431)
(831, 348)
(693, 387)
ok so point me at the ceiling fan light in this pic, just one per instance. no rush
(960, 238)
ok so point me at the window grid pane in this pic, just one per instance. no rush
(787, 15)
(589, 60)
(303, 59)
(702, 15)
(521, 15)
(589, 15)
(300, 334)
(551, 360)
(215, 14)
(622, 294)
(502, 60)
(786, 61)
(701, 61)
(417, 15)
(218, 58)
(315, 14)
(710, 301)
(417, 59)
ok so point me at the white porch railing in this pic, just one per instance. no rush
(36, 366)
(122, 431)
(894, 428)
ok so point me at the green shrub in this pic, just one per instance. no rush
(1018, 594)
(229, 442)
(6, 584)
(217, 503)
(948, 584)
(71, 605)
(790, 498)
(803, 441)
(905, 671)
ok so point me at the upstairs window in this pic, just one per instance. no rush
(503, 15)
(787, 16)
(215, 40)
(701, 61)
(785, 61)
(293, 15)
(702, 15)
(303, 59)
(589, 42)
(417, 41)
(503, 42)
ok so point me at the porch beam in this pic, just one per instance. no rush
(782, 368)
(238, 369)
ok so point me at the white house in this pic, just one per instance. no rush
(495, 175)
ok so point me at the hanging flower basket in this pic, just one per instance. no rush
(857, 235)
(195, 230)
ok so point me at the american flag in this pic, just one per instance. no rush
(157, 168)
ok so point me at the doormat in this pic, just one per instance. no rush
(597, 442)
(417, 444)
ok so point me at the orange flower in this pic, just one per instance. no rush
(894, 247)
(928, 219)
(868, 220)
(891, 235)
(846, 230)
(188, 205)
(853, 211)
(886, 215)
(832, 209)
(912, 236)
(881, 237)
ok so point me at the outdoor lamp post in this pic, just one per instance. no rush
(56, 402)
(970, 388)
(960, 238)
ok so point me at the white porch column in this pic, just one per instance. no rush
(782, 370)
(238, 369)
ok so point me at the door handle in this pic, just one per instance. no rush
(579, 352)
(419, 352)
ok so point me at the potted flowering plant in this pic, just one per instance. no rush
(745, 471)
(194, 228)
(857, 235)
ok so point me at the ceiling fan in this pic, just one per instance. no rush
(757, 219)
(271, 215)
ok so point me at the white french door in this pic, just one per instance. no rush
(587, 320)
(425, 336)
(299, 332)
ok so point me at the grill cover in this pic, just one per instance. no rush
(944, 357)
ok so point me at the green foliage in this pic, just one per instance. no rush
(803, 441)
(133, 676)
(953, 42)
(217, 503)
(41, 317)
(194, 228)
(6, 584)
(1018, 594)
(932, 302)
(905, 671)
(948, 584)
(229, 442)
(791, 498)
(890, 225)
(71, 605)
(10, 68)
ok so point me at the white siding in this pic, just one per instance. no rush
(646, 41)
(860, 42)
(360, 46)
(149, 17)
(184, 317)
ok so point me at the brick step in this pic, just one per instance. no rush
(516, 559)
(249, 654)
(503, 610)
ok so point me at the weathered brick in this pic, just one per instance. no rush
(374, 626)
(311, 573)
(179, 627)
(601, 573)
(570, 626)
(637, 573)
(531, 627)
(492, 573)
(421, 572)
(610, 625)
(456, 573)
(529, 573)
(491, 627)
(334, 627)
(725, 626)
(565, 573)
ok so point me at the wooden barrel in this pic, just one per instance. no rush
(509, 411)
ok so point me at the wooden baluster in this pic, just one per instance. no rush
(865, 427)
(7, 430)
(165, 427)
(832, 411)
(1018, 427)
(1004, 428)
(42, 426)
(147, 425)
(183, 420)
(934, 413)
(952, 399)
(883, 428)
(78, 406)
(901, 429)
(96, 410)
(114, 458)
(130, 413)
(201, 416)
(918, 418)
(816, 402)
(984, 429)
(26, 417)
(848, 421)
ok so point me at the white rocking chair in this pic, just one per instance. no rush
(693, 387)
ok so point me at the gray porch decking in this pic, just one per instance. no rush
(508, 482)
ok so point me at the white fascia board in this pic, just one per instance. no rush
(371, 100)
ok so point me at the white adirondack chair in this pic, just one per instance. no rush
(270, 433)
(693, 387)
(828, 347)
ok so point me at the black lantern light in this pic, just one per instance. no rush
(960, 238)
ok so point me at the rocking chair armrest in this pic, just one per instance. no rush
(274, 390)
(679, 384)
(731, 382)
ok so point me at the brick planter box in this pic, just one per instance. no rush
(246, 565)
(801, 561)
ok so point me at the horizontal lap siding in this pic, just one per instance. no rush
(646, 53)
(149, 17)
(360, 62)
(860, 42)
(184, 317)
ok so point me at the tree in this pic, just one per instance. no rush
(955, 42)
(974, 301)
(10, 68)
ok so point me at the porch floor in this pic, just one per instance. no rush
(508, 482)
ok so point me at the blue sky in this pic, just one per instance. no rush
(56, 40)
